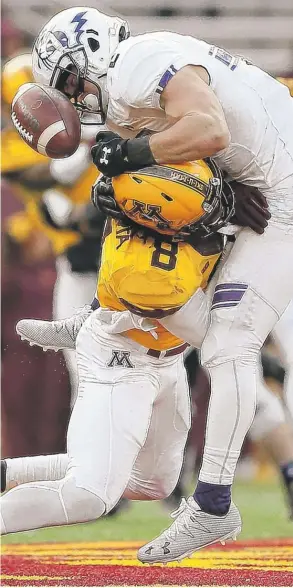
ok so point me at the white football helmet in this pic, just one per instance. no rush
(79, 41)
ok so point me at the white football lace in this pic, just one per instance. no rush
(180, 525)
(22, 131)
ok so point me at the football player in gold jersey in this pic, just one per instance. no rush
(131, 419)
(130, 422)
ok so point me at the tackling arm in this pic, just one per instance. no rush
(190, 323)
(200, 129)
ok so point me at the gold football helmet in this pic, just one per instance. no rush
(16, 72)
(175, 199)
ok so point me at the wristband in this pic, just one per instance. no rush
(138, 152)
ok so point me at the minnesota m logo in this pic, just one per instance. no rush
(149, 212)
(120, 359)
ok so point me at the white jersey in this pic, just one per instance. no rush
(258, 109)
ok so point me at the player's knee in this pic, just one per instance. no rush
(80, 504)
(165, 489)
(222, 345)
(154, 489)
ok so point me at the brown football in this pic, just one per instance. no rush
(46, 120)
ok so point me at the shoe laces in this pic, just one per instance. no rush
(182, 522)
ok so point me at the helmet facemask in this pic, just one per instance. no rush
(218, 207)
(91, 106)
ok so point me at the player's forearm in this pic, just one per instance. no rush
(190, 323)
(194, 136)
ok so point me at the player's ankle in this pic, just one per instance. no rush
(213, 498)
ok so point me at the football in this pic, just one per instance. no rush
(46, 120)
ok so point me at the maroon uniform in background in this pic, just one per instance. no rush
(35, 387)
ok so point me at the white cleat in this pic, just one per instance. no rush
(192, 530)
(53, 334)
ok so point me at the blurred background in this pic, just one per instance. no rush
(48, 269)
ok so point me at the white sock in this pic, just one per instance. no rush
(231, 412)
(21, 470)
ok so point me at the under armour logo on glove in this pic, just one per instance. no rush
(104, 158)
(114, 156)
(108, 154)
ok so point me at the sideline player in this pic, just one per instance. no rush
(60, 209)
(202, 102)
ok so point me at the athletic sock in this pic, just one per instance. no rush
(213, 498)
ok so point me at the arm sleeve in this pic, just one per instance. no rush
(144, 70)
(190, 323)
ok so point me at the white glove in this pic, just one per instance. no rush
(114, 322)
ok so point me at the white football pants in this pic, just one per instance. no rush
(71, 292)
(127, 431)
(253, 288)
(283, 336)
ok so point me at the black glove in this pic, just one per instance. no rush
(251, 208)
(103, 199)
(114, 156)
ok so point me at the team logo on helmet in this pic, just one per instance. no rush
(142, 211)
(176, 200)
(51, 43)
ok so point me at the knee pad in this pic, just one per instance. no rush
(79, 504)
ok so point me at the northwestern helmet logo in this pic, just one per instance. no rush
(53, 43)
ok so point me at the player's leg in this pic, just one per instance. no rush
(283, 336)
(158, 465)
(20, 470)
(253, 289)
(107, 429)
(72, 291)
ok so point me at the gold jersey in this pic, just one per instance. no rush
(17, 156)
(151, 278)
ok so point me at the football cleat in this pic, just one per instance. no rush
(53, 334)
(192, 530)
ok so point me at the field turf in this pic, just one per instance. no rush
(104, 553)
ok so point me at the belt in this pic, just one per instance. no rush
(169, 352)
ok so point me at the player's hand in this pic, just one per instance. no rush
(108, 154)
(114, 156)
(103, 198)
(251, 208)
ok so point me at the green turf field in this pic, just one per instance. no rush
(261, 504)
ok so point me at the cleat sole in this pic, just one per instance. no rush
(222, 540)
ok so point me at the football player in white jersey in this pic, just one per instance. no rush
(202, 102)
